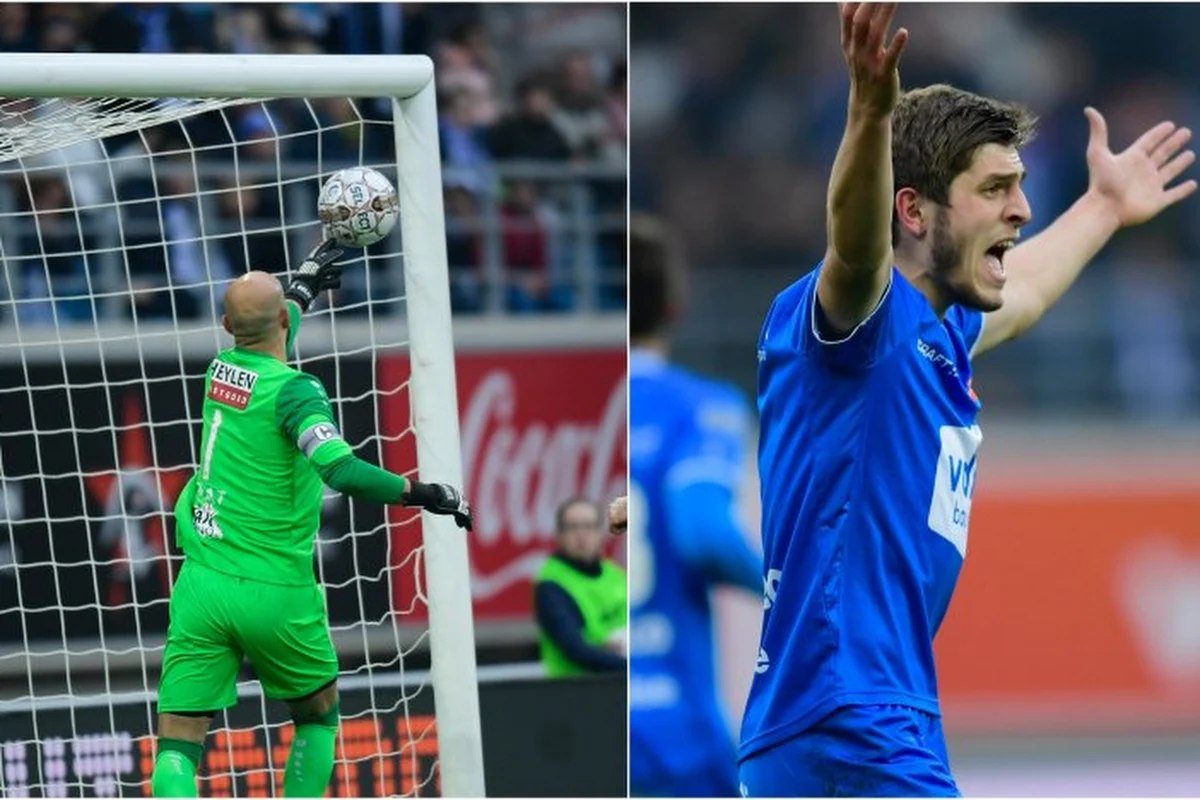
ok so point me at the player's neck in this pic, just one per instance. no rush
(917, 273)
(274, 349)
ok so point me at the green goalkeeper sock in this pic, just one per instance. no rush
(310, 761)
(175, 768)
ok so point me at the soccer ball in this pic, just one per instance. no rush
(358, 207)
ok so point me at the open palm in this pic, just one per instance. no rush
(871, 59)
(1136, 182)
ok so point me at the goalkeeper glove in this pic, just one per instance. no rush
(316, 274)
(440, 498)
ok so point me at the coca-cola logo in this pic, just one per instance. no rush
(519, 470)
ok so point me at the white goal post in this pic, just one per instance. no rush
(409, 82)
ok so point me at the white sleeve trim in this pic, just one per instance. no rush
(812, 316)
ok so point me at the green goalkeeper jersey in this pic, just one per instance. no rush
(256, 496)
(269, 441)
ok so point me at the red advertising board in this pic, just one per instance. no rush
(1079, 603)
(537, 427)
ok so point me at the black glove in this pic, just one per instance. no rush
(316, 274)
(440, 498)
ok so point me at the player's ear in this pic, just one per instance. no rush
(910, 210)
(225, 324)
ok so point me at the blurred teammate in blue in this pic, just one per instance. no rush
(687, 439)
(868, 438)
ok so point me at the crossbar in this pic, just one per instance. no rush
(211, 75)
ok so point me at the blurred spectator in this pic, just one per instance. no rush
(259, 133)
(342, 134)
(618, 113)
(56, 280)
(299, 22)
(464, 66)
(579, 113)
(149, 27)
(528, 133)
(463, 249)
(580, 598)
(254, 212)
(112, 28)
(1155, 369)
(60, 34)
(560, 27)
(526, 257)
(171, 268)
(15, 33)
(461, 140)
(377, 28)
(243, 29)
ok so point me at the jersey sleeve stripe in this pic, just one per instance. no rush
(812, 315)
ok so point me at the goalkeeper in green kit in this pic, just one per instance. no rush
(246, 522)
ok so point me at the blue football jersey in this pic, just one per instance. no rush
(867, 453)
(688, 438)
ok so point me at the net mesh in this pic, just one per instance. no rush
(30, 126)
(120, 223)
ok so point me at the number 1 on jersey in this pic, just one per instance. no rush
(211, 445)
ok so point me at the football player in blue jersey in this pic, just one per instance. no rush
(687, 442)
(868, 436)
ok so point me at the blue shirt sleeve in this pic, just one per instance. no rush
(701, 491)
(862, 346)
(796, 324)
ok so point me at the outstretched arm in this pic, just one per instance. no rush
(316, 273)
(701, 493)
(706, 534)
(1124, 189)
(294, 319)
(859, 255)
(305, 416)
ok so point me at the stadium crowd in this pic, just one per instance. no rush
(738, 112)
(532, 133)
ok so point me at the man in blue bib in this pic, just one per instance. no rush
(869, 439)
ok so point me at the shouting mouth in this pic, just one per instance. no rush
(993, 260)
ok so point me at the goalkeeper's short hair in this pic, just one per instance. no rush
(655, 276)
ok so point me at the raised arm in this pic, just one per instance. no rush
(317, 273)
(1124, 189)
(859, 214)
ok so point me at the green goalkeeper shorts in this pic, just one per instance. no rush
(219, 619)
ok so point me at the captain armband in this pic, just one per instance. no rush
(319, 434)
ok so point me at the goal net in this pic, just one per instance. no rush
(121, 221)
